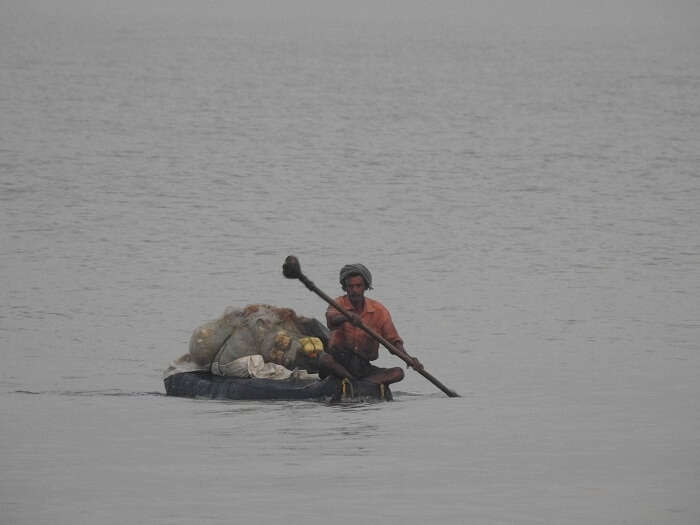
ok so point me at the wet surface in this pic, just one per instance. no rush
(525, 194)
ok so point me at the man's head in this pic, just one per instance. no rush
(357, 274)
(355, 287)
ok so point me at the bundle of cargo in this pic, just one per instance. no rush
(261, 352)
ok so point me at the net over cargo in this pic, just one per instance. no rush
(281, 340)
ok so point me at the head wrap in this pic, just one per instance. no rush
(356, 269)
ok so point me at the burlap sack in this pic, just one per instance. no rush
(277, 334)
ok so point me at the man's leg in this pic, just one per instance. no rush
(385, 376)
(329, 366)
(361, 369)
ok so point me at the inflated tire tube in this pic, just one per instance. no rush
(209, 386)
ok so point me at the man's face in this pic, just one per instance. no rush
(355, 286)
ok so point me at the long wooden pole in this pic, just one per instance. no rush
(292, 270)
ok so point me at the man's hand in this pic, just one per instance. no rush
(338, 319)
(414, 363)
(355, 319)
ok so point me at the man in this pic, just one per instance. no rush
(350, 346)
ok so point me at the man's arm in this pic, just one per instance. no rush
(390, 333)
(334, 319)
(410, 361)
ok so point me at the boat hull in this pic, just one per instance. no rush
(208, 386)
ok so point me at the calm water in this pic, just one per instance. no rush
(523, 183)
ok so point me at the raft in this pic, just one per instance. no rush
(208, 386)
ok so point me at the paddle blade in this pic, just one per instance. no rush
(291, 268)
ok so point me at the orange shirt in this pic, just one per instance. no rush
(374, 316)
